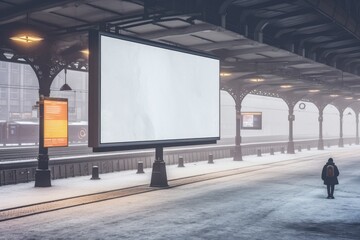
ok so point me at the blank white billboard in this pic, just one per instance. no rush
(150, 94)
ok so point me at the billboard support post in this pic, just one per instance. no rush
(158, 176)
(42, 174)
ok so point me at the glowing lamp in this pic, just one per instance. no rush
(224, 74)
(314, 90)
(27, 38)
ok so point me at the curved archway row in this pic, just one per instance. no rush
(291, 99)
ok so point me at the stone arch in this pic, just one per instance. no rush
(331, 122)
(306, 125)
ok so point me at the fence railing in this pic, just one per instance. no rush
(21, 171)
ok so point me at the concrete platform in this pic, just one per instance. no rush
(276, 197)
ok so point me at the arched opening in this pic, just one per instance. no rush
(77, 97)
(274, 113)
(349, 123)
(306, 124)
(331, 122)
(227, 114)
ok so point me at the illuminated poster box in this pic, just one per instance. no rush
(55, 122)
(251, 120)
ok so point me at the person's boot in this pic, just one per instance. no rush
(328, 197)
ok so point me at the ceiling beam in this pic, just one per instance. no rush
(8, 2)
(221, 45)
(20, 12)
(180, 31)
(103, 9)
(70, 17)
(334, 12)
(234, 53)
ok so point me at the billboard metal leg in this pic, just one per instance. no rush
(159, 177)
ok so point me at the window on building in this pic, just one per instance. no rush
(14, 93)
(3, 65)
(15, 67)
(14, 108)
(3, 93)
(15, 79)
(3, 77)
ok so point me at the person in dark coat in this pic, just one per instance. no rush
(329, 174)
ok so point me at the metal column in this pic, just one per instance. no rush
(357, 128)
(341, 140)
(238, 152)
(291, 118)
(42, 174)
(321, 141)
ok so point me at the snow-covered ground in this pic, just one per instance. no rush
(282, 202)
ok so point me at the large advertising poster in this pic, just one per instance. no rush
(55, 122)
(251, 120)
(144, 94)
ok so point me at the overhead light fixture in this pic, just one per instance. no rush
(65, 87)
(334, 95)
(27, 38)
(286, 86)
(225, 74)
(85, 51)
(256, 80)
(349, 98)
(314, 90)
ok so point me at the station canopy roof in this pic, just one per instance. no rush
(304, 48)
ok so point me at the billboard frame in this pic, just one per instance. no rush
(94, 139)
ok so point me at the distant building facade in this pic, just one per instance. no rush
(19, 93)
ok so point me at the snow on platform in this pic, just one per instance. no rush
(25, 193)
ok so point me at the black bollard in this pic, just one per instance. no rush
(211, 159)
(282, 150)
(271, 151)
(95, 173)
(181, 162)
(328, 145)
(308, 147)
(259, 152)
(140, 168)
(299, 148)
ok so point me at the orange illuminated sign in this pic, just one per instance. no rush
(55, 123)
